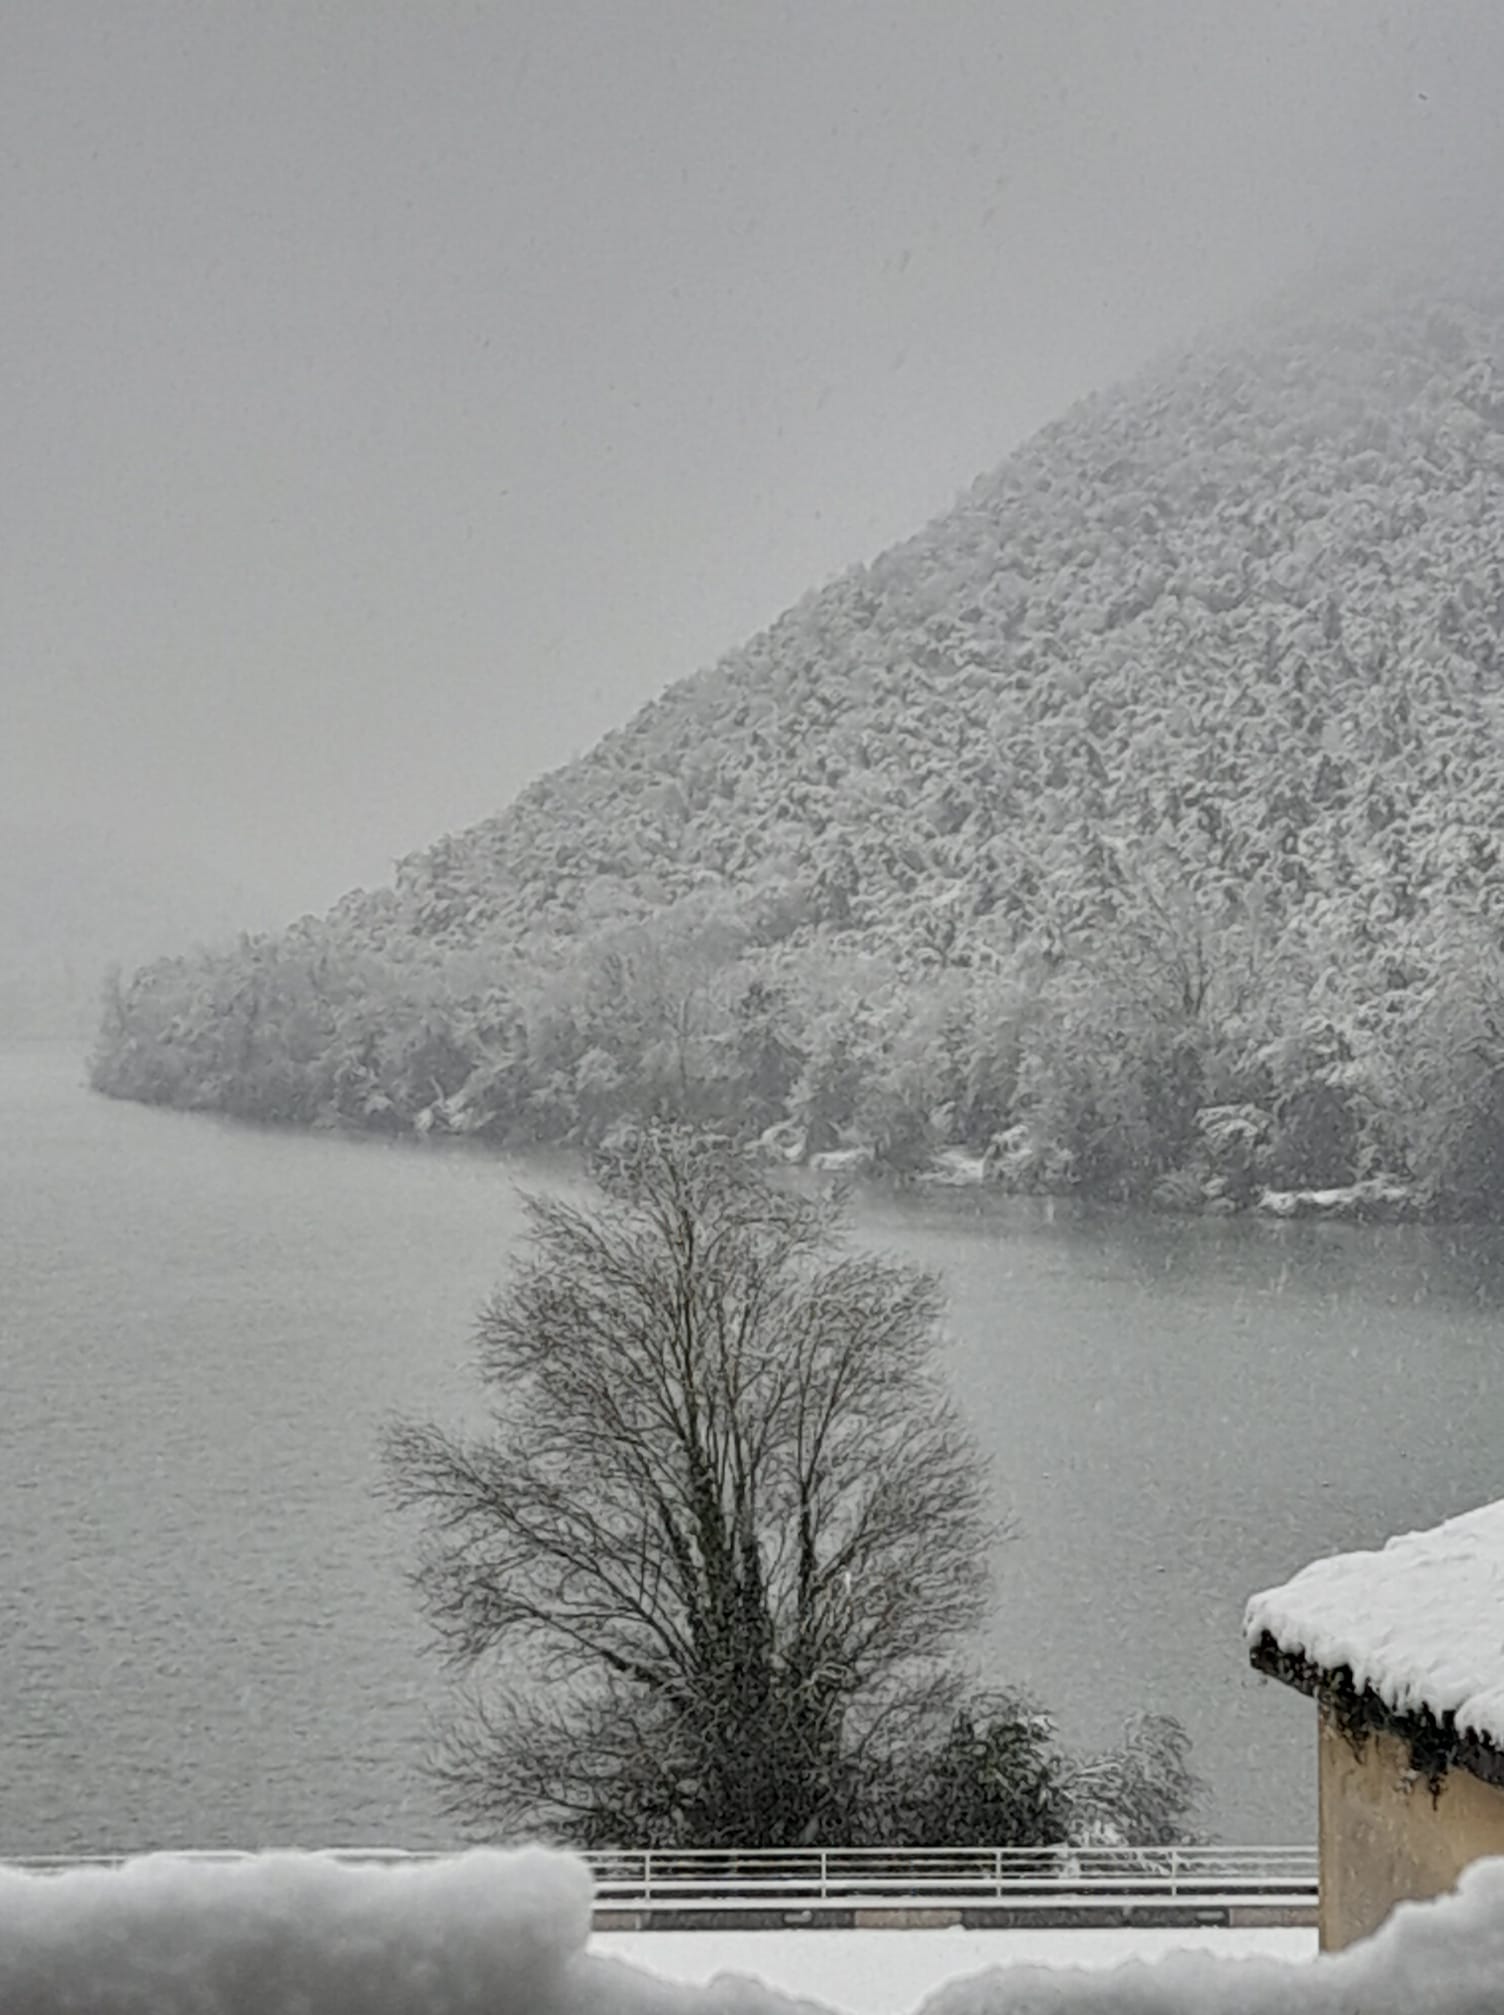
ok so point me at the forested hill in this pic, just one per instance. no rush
(1144, 810)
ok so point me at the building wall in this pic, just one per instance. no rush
(1384, 1841)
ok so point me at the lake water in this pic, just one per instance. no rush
(206, 1637)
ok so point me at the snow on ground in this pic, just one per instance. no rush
(490, 1933)
(1421, 1621)
(292, 1934)
(890, 1972)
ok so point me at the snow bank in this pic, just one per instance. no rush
(292, 1934)
(505, 1934)
(894, 1972)
(1442, 1958)
(1420, 1622)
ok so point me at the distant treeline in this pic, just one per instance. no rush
(1168, 1063)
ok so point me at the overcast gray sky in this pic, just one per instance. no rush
(397, 395)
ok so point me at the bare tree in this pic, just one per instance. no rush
(723, 1531)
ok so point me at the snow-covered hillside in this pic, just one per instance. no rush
(1140, 813)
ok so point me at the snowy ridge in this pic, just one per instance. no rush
(1420, 1622)
(508, 1934)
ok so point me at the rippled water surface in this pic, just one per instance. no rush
(205, 1634)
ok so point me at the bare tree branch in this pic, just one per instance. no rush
(724, 1531)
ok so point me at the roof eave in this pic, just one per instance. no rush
(1435, 1746)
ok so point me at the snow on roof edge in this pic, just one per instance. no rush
(1419, 1623)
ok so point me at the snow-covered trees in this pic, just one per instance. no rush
(1179, 737)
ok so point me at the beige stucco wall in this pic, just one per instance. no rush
(1382, 1838)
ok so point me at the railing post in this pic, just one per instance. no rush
(647, 1875)
(997, 1869)
(1174, 1870)
(824, 1874)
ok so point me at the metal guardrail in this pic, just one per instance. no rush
(793, 1879)
(725, 1878)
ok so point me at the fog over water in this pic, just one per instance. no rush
(395, 397)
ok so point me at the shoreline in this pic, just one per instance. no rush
(1376, 1200)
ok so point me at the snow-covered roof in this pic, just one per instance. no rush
(1420, 1622)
